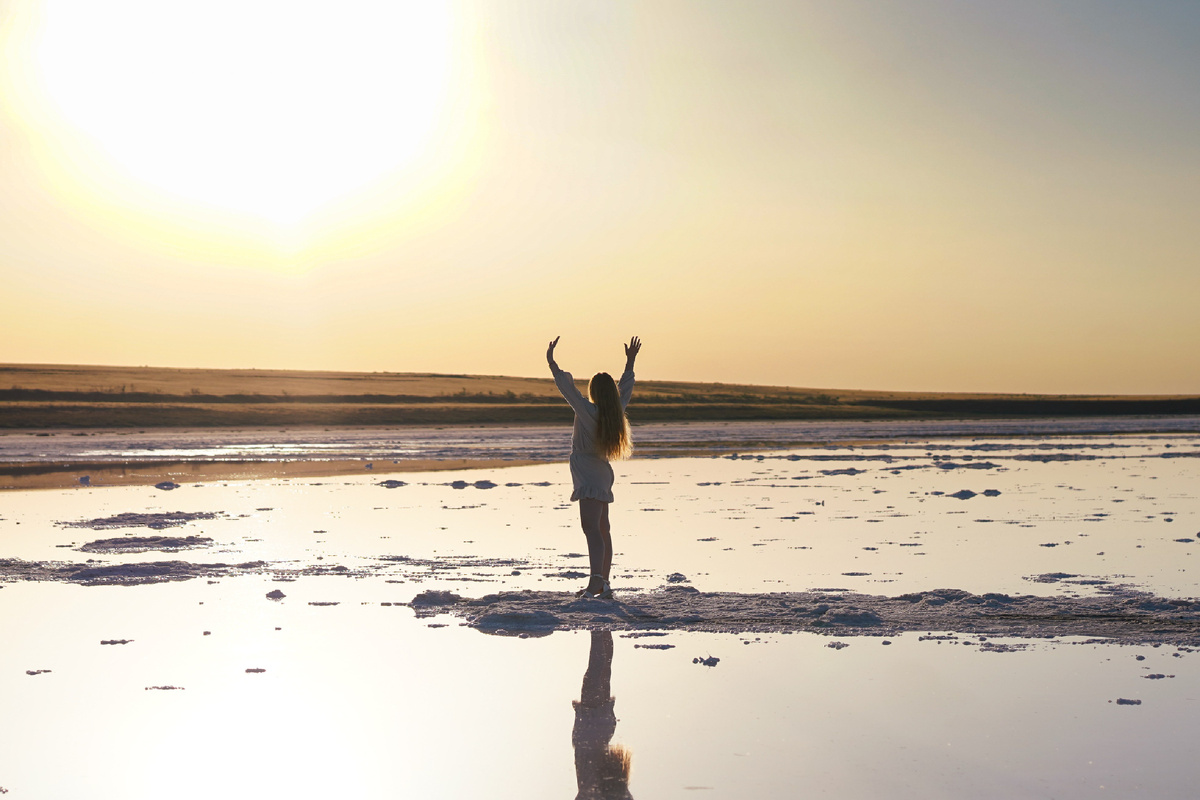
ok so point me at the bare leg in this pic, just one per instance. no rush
(593, 518)
(606, 534)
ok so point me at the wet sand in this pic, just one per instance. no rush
(64, 475)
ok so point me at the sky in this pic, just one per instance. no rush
(924, 195)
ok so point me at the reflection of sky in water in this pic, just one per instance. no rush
(364, 700)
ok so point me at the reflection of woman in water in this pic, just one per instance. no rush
(601, 433)
(601, 770)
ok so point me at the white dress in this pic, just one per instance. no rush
(591, 474)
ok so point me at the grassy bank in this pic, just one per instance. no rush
(62, 396)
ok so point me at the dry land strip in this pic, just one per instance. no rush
(46, 396)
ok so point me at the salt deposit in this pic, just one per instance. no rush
(143, 544)
(1119, 616)
(133, 519)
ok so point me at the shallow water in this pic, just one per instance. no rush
(360, 697)
(887, 518)
(521, 442)
(365, 701)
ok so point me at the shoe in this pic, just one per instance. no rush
(604, 594)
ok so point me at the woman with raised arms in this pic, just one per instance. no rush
(600, 434)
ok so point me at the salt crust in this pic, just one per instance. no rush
(1120, 615)
(159, 521)
(143, 544)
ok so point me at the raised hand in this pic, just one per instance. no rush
(631, 349)
(550, 350)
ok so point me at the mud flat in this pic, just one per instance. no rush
(140, 471)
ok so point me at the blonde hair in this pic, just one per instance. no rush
(612, 428)
(614, 771)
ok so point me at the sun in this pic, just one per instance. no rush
(274, 109)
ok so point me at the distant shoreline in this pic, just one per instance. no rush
(83, 458)
(67, 475)
(63, 397)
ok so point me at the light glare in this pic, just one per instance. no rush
(270, 109)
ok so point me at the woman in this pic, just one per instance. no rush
(601, 433)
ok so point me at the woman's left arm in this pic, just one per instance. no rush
(625, 385)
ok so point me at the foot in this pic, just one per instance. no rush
(597, 587)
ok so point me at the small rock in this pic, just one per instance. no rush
(166, 486)
(275, 594)
(711, 661)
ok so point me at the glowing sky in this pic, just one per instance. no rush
(921, 195)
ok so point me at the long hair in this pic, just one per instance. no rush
(614, 772)
(612, 428)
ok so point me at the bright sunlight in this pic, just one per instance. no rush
(272, 109)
